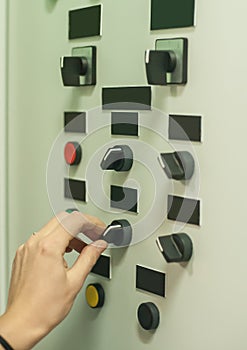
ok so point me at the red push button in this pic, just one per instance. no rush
(72, 153)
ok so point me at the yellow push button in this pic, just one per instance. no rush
(95, 295)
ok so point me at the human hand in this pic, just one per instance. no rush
(43, 288)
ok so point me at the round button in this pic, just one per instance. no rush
(72, 153)
(95, 295)
(148, 316)
(71, 210)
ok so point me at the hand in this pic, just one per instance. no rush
(43, 288)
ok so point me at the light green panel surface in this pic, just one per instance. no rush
(205, 304)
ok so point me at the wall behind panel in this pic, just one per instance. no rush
(205, 305)
(3, 152)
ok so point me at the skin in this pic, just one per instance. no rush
(41, 279)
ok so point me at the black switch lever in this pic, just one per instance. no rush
(119, 232)
(80, 68)
(72, 68)
(177, 165)
(158, 64)
(118, 158)
(177, 247)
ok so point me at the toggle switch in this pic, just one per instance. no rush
(158, 64)
(148, 316)
(177, 165)
(95, 295)
(167, 64)
(119, 232)
(177, 247)
(118, 158)
(80, 68)
(72, 68)
(72, 153)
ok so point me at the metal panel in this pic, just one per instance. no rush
(205, 299)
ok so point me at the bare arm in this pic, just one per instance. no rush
(41, 279)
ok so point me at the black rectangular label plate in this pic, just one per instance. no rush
(150, 280)
(124, 123)
(124, 198)
(185, 127)
(172, 14)
(75, 189)
(85, 22)
(75, 122)
(184, 210)
(127, 98)
(103, 267)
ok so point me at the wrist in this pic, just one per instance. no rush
(4, 344)
(19, 332)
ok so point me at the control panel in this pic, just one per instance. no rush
(121, 117)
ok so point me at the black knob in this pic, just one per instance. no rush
(177, 247)
(177, 165)
(119, 232)
(118, 158)
(148, 316)
(158, 64)
(72, 68)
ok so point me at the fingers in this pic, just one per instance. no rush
(64, 227)
(65, 264)
(94, 219)
(67, 230)
(85, 262)
(68, 250)
(71, 225)
(51, 225)
(94, 228)
(77, 245)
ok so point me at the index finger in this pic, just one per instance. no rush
(73, 224)
(51, 225)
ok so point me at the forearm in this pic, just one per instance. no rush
(18, 332)
(4, 344)
(1, 347)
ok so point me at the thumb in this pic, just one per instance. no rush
(85, 262)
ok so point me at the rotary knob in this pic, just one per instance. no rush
(158, 64)
(118, 158)
(119, 233)
(72, 68)
(148, 316)
(177, 247)
(177, 165)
